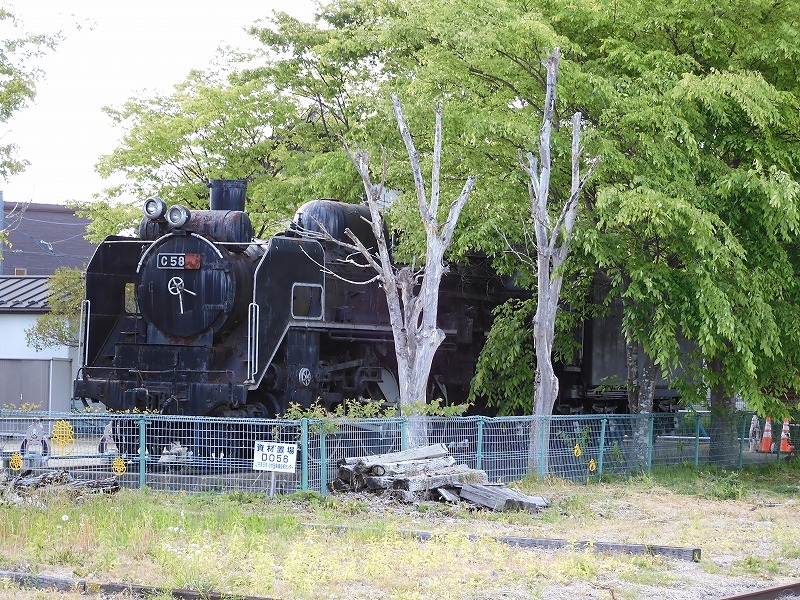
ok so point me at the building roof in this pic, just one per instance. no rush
(24, 294)
(41, 238)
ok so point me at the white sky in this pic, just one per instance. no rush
(128, 46)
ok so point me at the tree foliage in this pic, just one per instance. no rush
(59, 327)
(210, 127)
(695, 109)
(695, 112)
(18, 78)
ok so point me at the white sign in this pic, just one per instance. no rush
(275, 456)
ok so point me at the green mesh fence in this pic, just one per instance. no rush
(194, 454)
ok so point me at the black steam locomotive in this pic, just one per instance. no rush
(195, 317)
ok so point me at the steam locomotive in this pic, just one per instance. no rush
(196, 317)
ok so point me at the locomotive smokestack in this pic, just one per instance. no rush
(228, 194)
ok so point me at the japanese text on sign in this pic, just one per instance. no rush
(275, 456)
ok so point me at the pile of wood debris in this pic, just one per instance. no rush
(33, 487)
(429, 472)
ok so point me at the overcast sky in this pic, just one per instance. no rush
(124, 48)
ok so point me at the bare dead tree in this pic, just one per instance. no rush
(552, 247)
(412, 294)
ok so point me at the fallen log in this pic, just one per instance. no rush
(32, 488)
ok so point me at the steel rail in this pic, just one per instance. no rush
(82, 586)
(791, 590)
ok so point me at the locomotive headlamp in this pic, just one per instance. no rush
(154, 208)
(178, 216)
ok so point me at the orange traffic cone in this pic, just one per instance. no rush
(785, 445)
(766, 439)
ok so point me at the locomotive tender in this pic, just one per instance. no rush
(196, 317)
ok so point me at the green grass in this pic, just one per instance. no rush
(249, 544)
(778, 479)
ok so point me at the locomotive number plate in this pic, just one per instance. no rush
(173, 260)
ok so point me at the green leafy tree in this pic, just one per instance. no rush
(694, 109)
(210, 127)
(18, 77)
(695, 112)
(59, 327)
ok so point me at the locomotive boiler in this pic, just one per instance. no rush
(196, 317)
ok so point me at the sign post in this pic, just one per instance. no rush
(276, 457)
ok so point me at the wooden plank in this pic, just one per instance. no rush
(501, 498)
(413, 467)
(448, 495)
(378, 483)
(690, 554)
(82, 586)
(419, 453)
(485, 496)
(444, 477)
(680, 553)
(516, 500)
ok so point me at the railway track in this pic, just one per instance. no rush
(44, 582)
(781, 592)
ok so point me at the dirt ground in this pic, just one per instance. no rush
(745, 545)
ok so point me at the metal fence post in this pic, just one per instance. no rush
(651, 442)
(304, 449)
(603, 424)
(697, 439)
(479, 449)
(323, 463)
(403, 433)
(545, 450)
(142, 452)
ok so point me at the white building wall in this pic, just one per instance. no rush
(63, 361)
(12, 332)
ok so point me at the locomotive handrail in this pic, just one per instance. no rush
(124, 241)
(253, 316)
(227, 372)
(157, 242)
(83, 336)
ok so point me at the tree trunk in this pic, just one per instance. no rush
(412, 295)
(632, 384)
(724, 447)
(545, 382)
(552, 250)
(644, 394)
